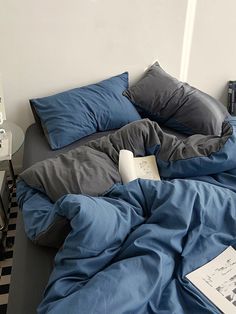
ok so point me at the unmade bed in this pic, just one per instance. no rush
(33, 264)
(123, 248)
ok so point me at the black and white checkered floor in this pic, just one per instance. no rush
(6, 263)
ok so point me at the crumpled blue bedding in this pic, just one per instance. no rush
(129, 250)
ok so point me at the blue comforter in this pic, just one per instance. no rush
(129, 250)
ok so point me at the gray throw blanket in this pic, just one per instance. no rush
(93, 168)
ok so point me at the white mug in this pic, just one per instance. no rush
(1, 118)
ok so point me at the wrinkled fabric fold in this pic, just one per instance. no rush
(129, 250)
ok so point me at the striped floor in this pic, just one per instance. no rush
(6, 264)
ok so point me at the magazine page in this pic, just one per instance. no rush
(131, 167)
(126, 166)
(146, 167)
(217, 280)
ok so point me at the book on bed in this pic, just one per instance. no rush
(217, 280)
(132, 168)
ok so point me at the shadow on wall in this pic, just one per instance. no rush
(223, 94)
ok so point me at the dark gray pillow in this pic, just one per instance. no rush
(164, 99)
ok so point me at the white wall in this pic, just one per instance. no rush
(49, 46)
(213, 51)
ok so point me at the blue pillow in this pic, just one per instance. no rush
(71, 115)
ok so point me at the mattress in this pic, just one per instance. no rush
(32, 264)
(36, 147)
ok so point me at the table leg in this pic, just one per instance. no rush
(3, 233)
(4, 217)
(12, 173)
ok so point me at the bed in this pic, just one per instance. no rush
(211, 170)
(33, 264)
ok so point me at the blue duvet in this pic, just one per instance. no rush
(129, 250)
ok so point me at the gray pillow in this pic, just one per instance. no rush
(164, 99)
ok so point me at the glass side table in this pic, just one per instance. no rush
(17, 141)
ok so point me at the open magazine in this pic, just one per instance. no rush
(132, 168)
(217, 280)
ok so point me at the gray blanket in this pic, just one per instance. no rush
(93, 168)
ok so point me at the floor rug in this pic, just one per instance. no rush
(6, 264)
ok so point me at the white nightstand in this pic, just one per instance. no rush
(17, 140)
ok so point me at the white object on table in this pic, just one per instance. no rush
(15, 137)
(5, 146)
